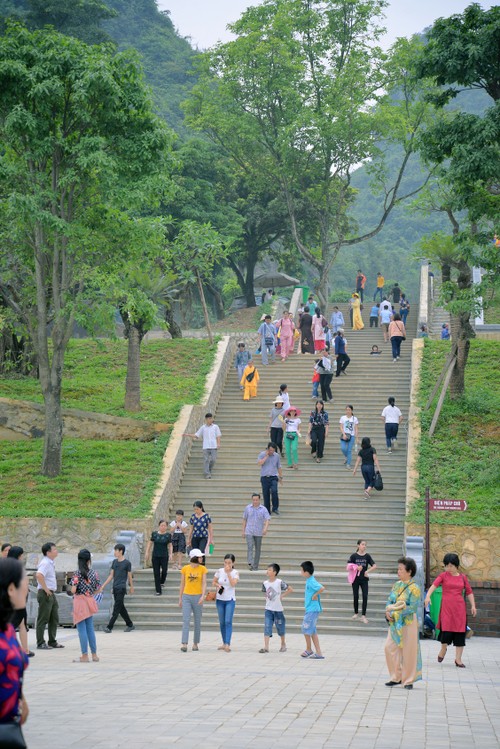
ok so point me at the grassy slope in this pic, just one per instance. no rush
(102, 478)
(461, 460)
(172, 373)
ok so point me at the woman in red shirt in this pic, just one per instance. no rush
(13, 661)
(453, 615)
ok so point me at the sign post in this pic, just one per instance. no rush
(427, 541)
(448, 505)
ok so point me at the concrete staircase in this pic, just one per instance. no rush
(439, 314)
(322, 508)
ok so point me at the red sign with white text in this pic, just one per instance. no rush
(448, 504)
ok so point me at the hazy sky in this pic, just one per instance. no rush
(205, 21)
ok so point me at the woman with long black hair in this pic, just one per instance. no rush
(84, 586)
(318, 430)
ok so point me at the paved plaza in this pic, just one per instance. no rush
(146, 693)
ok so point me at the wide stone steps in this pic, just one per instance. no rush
(322, 509)
(162, 612)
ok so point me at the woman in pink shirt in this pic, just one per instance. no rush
(286, 336)
(397, 334)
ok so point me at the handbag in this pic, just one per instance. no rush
(83, 607)
(250, 376)
(11, 736)
(291, 435)
(210, 596)
(378, 484)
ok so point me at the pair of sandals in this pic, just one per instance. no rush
(312, 656)
(85, 659)
(185, 647)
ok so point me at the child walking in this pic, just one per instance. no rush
(312, 605)
(179, 529)
(275, 590)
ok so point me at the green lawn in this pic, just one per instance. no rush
(102, 478)
(172, 373)
(461, 460)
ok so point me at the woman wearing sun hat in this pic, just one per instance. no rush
(276, 423)
(357, 322)
(292, 434)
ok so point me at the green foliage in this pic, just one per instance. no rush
(99, 479)
(172, 373)
(461, 460)
(463, 49)
(340, 296)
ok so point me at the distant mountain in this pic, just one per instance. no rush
(167, 58)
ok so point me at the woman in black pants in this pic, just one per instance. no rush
(161, 541)
(276, 423)
(363, 562)
(318, 430)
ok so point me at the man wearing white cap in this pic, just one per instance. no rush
(276, 423)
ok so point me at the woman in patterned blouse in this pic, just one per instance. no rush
(200, 533)
(13, 662)
(84, 585)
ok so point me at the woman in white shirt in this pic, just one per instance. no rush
(392, 417)
(348, 434)
(225, 580)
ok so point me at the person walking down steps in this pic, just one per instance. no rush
(250, 381)
(210, 434)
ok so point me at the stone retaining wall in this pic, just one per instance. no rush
(28, 418)
(69, 534)
(476, 547)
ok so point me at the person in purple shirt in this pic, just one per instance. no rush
(270, 475)
(255, 524)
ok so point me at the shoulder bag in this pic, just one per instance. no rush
(11, 736)
(378, 484)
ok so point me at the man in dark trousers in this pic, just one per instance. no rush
(48, 608)
(396, 293)
(121, 572)
(340, 353)
(360, 284)
(270, 475)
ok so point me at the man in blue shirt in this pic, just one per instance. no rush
(267, 333)
(340, 353)
(255, 524)
(270, 475)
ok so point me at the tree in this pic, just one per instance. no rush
(78, 136)
(299, 99)
(143, 293)
(463, 50)
(245, 211)
(199, 247)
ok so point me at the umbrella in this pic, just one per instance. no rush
(275, 278)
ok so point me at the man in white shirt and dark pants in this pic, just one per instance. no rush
(210, 434)
(48, 608)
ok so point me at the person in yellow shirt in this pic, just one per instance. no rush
(249, 385)
(192, 596)
(380, 286)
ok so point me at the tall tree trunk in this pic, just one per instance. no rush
(323, 291)
(249, 291)
(133, 380)
(205, 310)
(461, 331)
(219, 302)
(173, 328)
(52, 444)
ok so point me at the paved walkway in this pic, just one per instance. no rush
(146, 693)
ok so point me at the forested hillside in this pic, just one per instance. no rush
(166, 57)
(168, 62)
